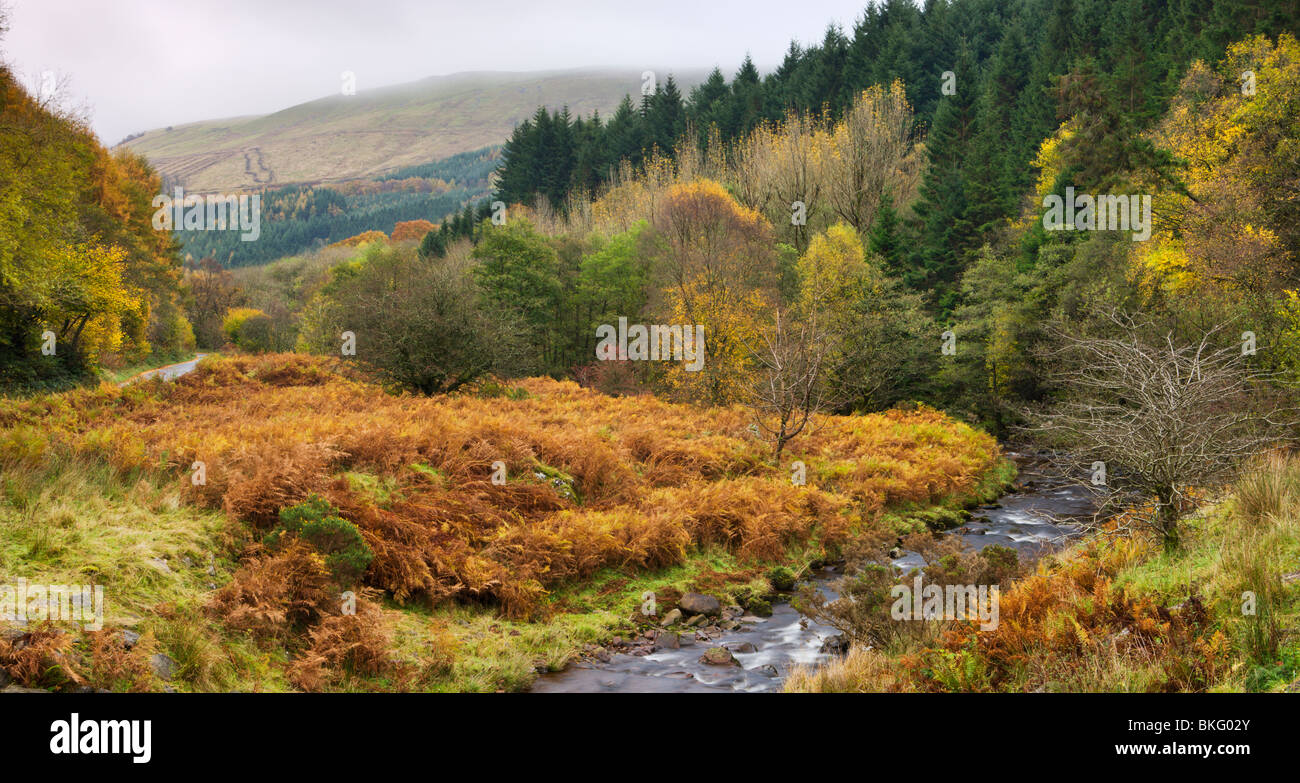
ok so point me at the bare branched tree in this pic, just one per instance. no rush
(1161, 415)
(789, 387)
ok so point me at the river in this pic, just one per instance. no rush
(1038, 516)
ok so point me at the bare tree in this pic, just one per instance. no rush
(789, 387)
(1161, 415)
(212, 291)
(874, 154)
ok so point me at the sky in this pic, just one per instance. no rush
(134, 65)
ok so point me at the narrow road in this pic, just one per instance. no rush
(168, 373)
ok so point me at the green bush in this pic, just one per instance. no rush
(782, 578)
(249, 329)
(317, 523)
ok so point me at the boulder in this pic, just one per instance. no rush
(698, 603)
(667, 640)
(718, 656)
(163, 666)
(675, 616)
(836, 645)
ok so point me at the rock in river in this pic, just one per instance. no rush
(718, 656)
(698, 603)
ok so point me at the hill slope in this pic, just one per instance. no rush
(375, 131)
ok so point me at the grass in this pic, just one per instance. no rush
(474, 585)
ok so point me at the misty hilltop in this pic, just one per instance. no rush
(375, 131)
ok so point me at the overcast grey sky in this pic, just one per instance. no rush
(141, 64)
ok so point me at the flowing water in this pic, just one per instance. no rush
(1034, 519)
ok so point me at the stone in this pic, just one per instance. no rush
(130, 639)
(163, 666)
(836, 645)
(675, 616)
(742, 647)
(698, 619)
(768, 670)
(667, 640)
(718, 656)
(159, 564)
(21, 689)
(698, 603)
(686, 639)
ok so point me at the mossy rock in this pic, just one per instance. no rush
(782, 578)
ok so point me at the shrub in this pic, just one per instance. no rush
(317, 523)
(249, 329)
(272, 595)
(782, 578)
(41, 657)
(116, 668)
(346, 643)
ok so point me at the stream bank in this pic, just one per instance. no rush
(1042, 513)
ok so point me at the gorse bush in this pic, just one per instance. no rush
(318, 524)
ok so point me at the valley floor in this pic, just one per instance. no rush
(274, 523)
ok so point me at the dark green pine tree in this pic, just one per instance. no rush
(434, 245)
(666, 118)
(517, 175)
(1136, 71)
(746, 110)
(591, 162)
(707, 105)
(825, 87)
(560, 157)
(997, 171)
(624, 133)
(943, 228)
(783, 88)
(886, 239)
